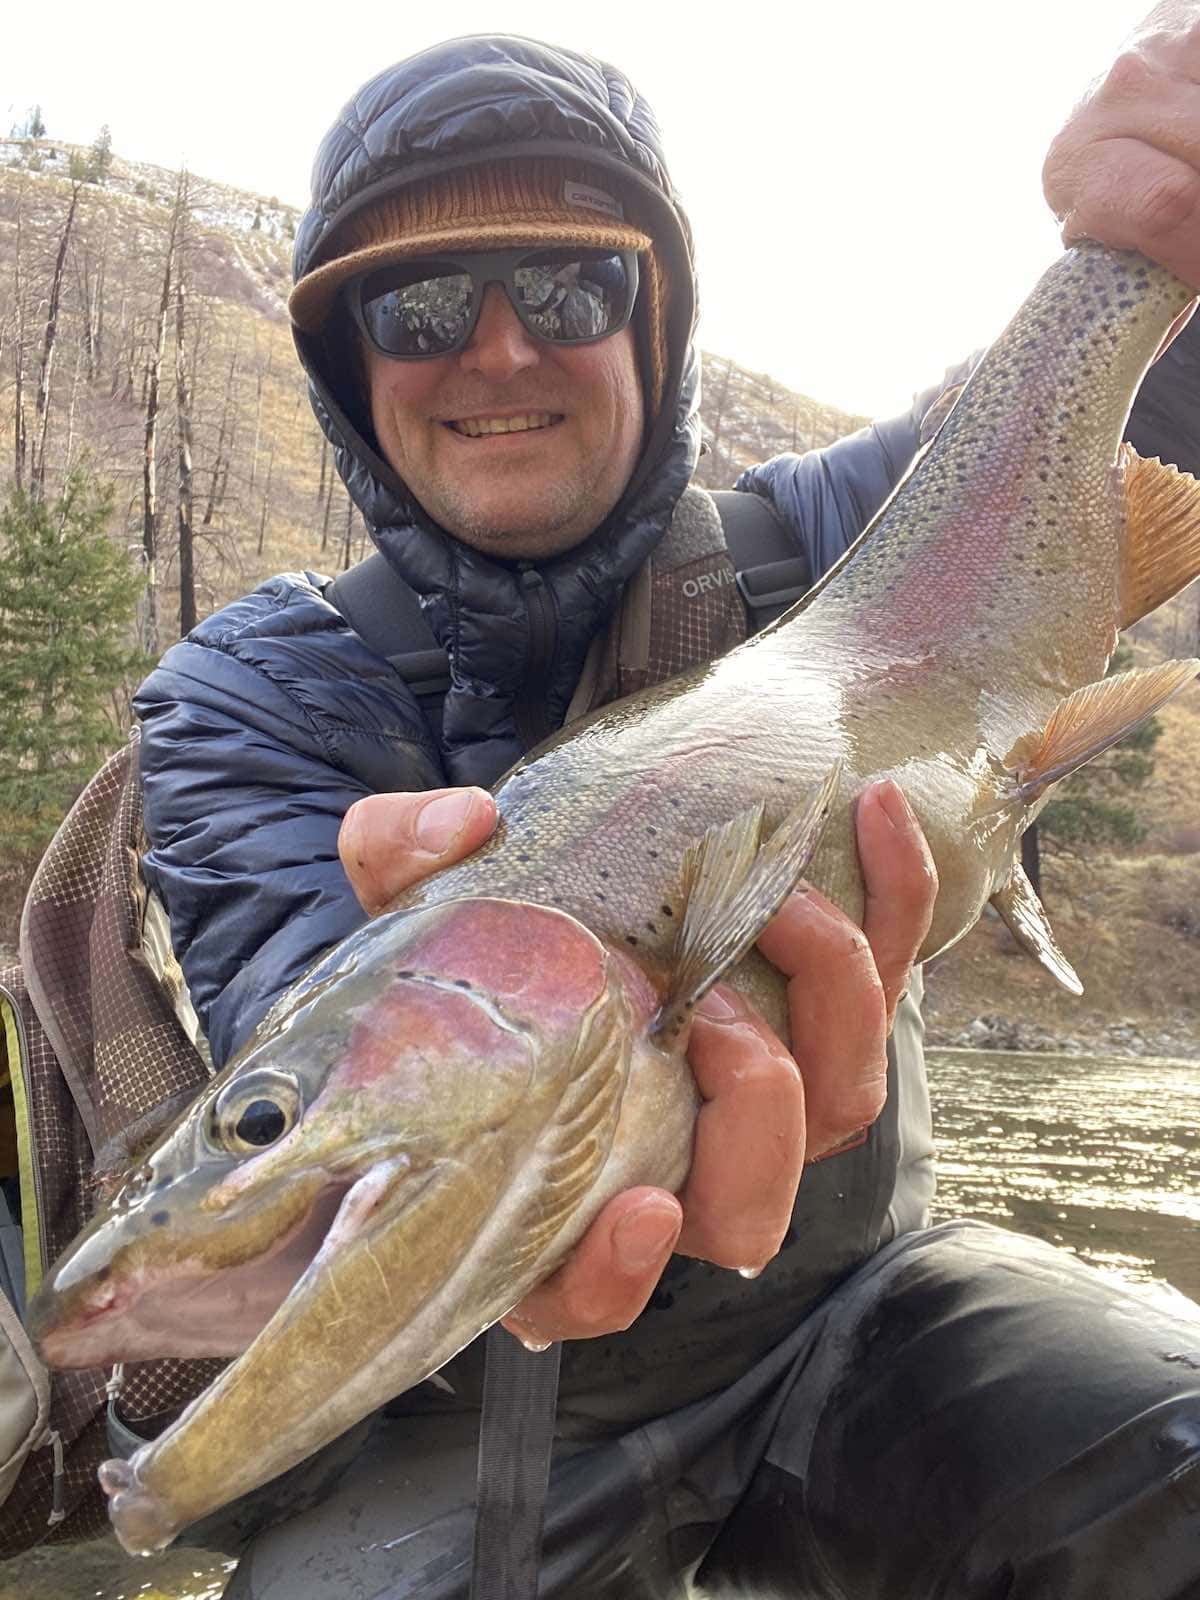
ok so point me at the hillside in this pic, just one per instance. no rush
(268, 498)
(265, 499)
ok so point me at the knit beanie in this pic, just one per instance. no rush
(542, 202)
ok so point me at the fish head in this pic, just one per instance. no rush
(396, 1094)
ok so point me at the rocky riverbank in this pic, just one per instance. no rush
(1124, 1037)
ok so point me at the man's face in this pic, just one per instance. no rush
(575, 416)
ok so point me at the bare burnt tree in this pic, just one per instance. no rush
(349, 531)
(150, 436)
(324, 464)
(266, 500)
(20, 439)
(124, 347)
(183, 439)
(328, 509)
(220, 470)
(69, 445)
(717, 471)
(263, 375)
(37, 473)
(91, 273)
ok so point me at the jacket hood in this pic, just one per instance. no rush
(460, 103)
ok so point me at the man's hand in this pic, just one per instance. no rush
(766, 1111)
(388, 842)
(1125, 169)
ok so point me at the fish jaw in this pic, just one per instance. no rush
(117, 1303)
(483, 1090)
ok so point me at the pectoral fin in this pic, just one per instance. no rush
(1092, 720)
(1024, 915)
(1160, 551)
(734, 885)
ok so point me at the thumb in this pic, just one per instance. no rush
(388, 842)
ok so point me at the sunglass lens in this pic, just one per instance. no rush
(565, 298)
(423, 316)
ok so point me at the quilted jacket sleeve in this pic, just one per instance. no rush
(827, 497)
(258, 733)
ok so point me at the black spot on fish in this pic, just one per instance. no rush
(650, 928)
(631, 938)
(666, 911)
(653, 854)
(160, 1218)
(604, 873)
(462, 983)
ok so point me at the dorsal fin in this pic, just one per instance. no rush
(1160, 550)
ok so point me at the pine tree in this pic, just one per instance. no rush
(99, 157)
(1095, 808)
(68, 597)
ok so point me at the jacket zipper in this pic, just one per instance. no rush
(529, 712)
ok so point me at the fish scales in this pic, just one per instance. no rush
(1018, 493)
(464, 1082)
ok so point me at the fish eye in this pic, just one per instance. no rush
(255, 1112)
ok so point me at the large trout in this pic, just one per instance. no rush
(426, 1125)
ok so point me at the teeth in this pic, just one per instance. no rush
(474, 427)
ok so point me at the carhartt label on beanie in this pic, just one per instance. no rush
(583, 194)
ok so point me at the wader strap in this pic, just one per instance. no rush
(385, 612)
(520, 1397)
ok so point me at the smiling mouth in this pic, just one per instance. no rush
(480, 427)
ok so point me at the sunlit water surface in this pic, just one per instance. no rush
(1099, 1155)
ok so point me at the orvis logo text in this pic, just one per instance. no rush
(693, 588)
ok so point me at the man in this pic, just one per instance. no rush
(884, 1410)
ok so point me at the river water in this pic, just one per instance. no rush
(1097, 1154)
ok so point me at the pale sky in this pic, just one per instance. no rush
(863, 178)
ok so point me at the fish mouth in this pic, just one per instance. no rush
(183, 1307)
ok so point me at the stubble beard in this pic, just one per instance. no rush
(563, 514)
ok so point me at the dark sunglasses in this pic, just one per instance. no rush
(416, 310)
